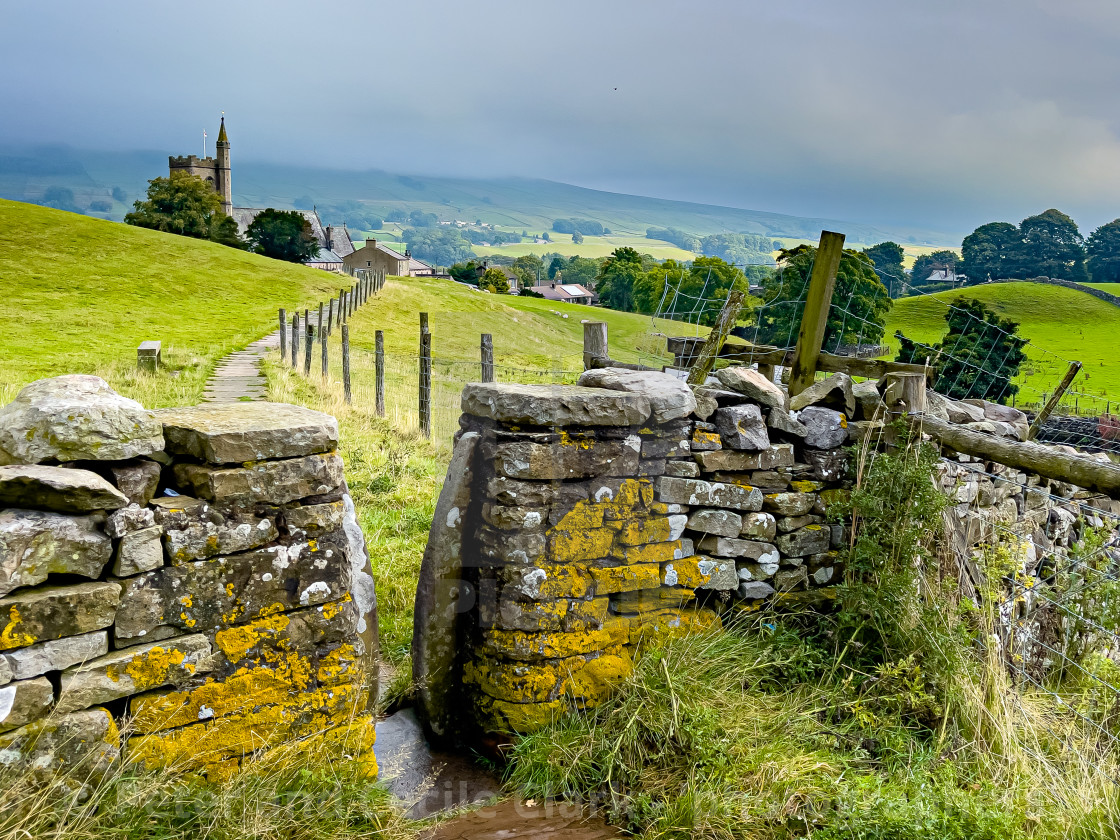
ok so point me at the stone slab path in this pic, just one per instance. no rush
(238, 377)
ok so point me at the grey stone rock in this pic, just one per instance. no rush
(687, 549)
(56, 489)
(869, 403)
(275, 482)
(75, 418)
(24, 701)
(236, 432)
(55, 655)
(937, 406)
(865, 430)
(34, 544)
(742, 427)
(782, 421)
(812, 539)
(200, 596)
(1001, 413)
(723, 523)
(758, 526)
(789, 504)
(305, 519)
(962, 412)
(823, 575)
(706, 404)
(721, 574)
(827, 429)
(745, 549)
(669, 397)
(677, 523)
(705, 438)
(554, 405)
(566, 459)
(128, 519)
(755, 590)
(5, 671)
(792, 523)
(695, 492)
(788, 580)
(753, 384)
(74, 748)
(835, 391)
(137, 479)
(123, 673)
(363, 595)
(666, 447)
(53, 612)
(778, 455)
(138, 551)
(205, 537)
(682, 469)
(827, 464)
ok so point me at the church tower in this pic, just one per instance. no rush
(224, 187)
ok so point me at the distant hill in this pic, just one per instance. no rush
(513, 203)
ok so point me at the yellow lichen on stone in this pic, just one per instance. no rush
(583, 515)
(341, 665)
(586, 615)
(655, 529)
(690, 573)
(672, 623)
(704, 438)
(517, 644)
(502, 716)
(584, 443)
(806, 486)
(593, 683)
(236, 642)
(625, 578)
(150, 669)
(651, 553)
(518, 682)
(11, 636)
(576, 546)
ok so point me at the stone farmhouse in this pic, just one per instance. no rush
(565, 292)
(377, 257)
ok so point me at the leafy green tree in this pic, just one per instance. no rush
(699, 288)
(1053, 246)
(577, 238)
(438, 245)
(582, 270)
(992, 252)
(557, 265)
(684, 241)
(187, 206)
(529, 269)
(119, 195)
(617, 277)
(467, 272)
(1104, 253)
(739, 248)
(860, 302)
(283, 235)
(887, 259)
(979, 355)
(494, 281)
(925, 265)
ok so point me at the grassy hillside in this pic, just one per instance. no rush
(1061, 324)
(80, 294)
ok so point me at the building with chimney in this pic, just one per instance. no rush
(213, 170)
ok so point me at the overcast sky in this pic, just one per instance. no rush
(939, 113)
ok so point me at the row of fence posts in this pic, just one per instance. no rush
(335, 313)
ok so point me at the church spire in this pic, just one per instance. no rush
(222, 131)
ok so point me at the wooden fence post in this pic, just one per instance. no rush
(594, 342)
(706, 360)
(488, 357)
(283, 334)
(319, 329)
(308, 347)
(346, 362)
(1055, 398)
(814, 319)
(323, 350)
(379, 372)
(341, 298)
(425, 377)
(295, 337)
(330, 316)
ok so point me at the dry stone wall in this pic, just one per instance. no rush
(194, 578)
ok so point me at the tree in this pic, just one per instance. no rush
(546, 237)
(467, 272)
(494, 281)
(695, 292)
(60, 198)
(438, 245)
(119, 195)
(187, 206)
(860, 302)
(617, 277)
(978, 357)
(1104, 253)
(528, 269)
(582, 270)
(741, 248)
(1053, 246)
(887, 259)
(556, 266)
(577, 238)
(991, 252)
(925, 265)
(282, 235)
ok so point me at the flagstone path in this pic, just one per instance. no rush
(238, 377)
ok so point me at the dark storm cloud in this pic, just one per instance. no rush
(938, 113)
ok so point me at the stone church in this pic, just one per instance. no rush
(216, 172)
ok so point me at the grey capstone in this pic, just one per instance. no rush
(34, 544)
(742, 427)
(276, 482)
(835, 391)
(669, 397)
(554, 405)
(236, 432)
(825, 428)
(75, 418)
(753, 384)
(57, 488)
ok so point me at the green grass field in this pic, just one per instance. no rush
(80, 294)
(1111, 288)
(1062, 324)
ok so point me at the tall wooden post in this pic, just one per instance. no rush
(330, 317)
(594, 342)
(706, 360)
(341, 298)
(379, 372)
(323, 351)
(814, 319)
(319, 329)
(1055, 398)
(346, 362)
(309, 347)
(425, 377)
(488, 357)
(283, 334)
(295, 337)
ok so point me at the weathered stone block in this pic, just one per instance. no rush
(704, 439)
(500, 547)
(77, 746)
(835, 392)
(827, 429)
(723, 523)
(662, 448)
(812, 539)
(782, 421)
(758, 526)
(669, 397)
(24, 701)
(792, 523)
(778, 455)
(787, 580)
(828, 464)
(274, 482)
(57, 488)
(55, 655)
(233, 433)
(576, 546)
(558, 406)
(869, 404)
(213, 533)
(699, 572)
(625, 578)
(128, 519)
(510, 518)
(139, 551)
(35, 543)
(208, 594)
(742, 427)
(747, 549)
(650, 553)
(75, 418)
(754, 590)
(753, 384)
(516, 644)
(695, 492)
(653, 529)
(133, 670)
(586, 614)
(567, 459)
(52, 612)
(313, 519)
(789, 504)
(137, 479)
(545, 583)
(531, 616)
